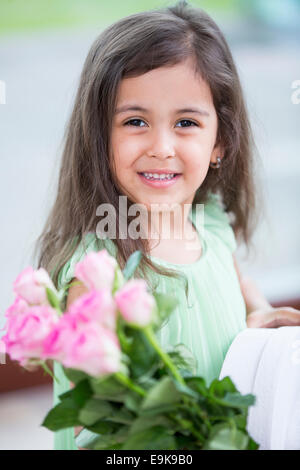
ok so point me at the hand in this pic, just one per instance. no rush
(271, 317)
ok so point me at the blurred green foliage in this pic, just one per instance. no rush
(32, 15)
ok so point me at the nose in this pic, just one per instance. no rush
(161, 144)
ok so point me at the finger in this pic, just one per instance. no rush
(289, 317)
(281, 322)
(290, 309)
(274, 319)
(260, 320)
(271, 324)
(284, 319)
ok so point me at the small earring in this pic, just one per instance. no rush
(216, 165)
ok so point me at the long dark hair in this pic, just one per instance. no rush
(130, 47)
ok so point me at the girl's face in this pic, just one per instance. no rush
(176, 130)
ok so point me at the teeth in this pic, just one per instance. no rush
(163, 176)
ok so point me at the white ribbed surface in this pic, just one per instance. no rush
(266, 363)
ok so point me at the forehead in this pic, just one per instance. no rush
(172, 85)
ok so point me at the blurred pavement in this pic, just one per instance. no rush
(21, 415)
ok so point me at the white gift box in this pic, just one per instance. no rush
(266, 363)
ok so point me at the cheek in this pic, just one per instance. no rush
(197, 153)
(123, 153)
(197, 160)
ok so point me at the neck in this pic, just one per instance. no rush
(169, 223)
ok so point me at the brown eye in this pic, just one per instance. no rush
(187, 120)
(132, 122)
(128, 123)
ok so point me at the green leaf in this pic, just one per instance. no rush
(184, 424)
(112, 441)
(252, 445)
(113, 447)
(241, 420)
(185, 443)
(103, 427)
(118, 280)
(132, 263)
(125, 340)
(218, 388)
(146, 380)
(165, 306)
(94, 410)
(183, 358)
(64, 415)
(141, 353)
(223, 437)
(133, 401)
(64, 395)
(75, 375)
(160, 409)
(236, 400)
(108, 387)
(81, 393)
(122, 416)
(145, 422)
(224, 392)
(185, 390)
(198, 384)
(52, 298)
(155, 438)
(163, 393)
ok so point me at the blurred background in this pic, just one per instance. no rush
(43, 44)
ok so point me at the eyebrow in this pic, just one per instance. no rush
(123, 109)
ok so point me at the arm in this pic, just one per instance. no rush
(260, 313)
(74, 292)
(254, 299)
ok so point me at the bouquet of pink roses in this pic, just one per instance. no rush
(128, 393)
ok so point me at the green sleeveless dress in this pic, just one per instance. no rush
(206, 321)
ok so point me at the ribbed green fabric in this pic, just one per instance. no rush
(207, 321)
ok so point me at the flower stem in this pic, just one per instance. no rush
(126, 381)
(48, 370)
(164, 356)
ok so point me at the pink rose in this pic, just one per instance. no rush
(19, 306)
(55, 344)
(97, 270)
(135, 303)
(96, 305)
(31, 285)
(26, 332)
(85, 346)
(95, 350)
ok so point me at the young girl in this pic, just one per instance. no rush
(159, 94)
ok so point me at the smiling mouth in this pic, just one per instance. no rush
(159, 177)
